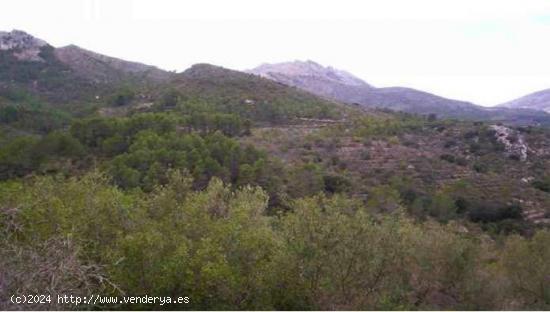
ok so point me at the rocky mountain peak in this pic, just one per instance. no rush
(308, 69)
(24, 46)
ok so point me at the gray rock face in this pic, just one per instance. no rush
(514, 143)
(539, 100)
(308, 69)
(24, 46)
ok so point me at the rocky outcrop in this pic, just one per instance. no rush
(514, 143)
(23, 46)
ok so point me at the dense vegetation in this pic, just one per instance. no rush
(50, 79)
(219, 247)
(182, 203)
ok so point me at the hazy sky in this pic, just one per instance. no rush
(484, 51)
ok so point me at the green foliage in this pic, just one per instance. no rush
(526, 262)
(92, 132)
(442, 207)
(50, 78)
(492, 212)
(221, 249)
(542, 184)
(449, 269)
(123, 96)
(26, 154)
(213, 246)
(24, 111)
(119, 132)
(59, 144)
(336, 184)
(8, 114)
(453, 159)
(210, 88)
(18, 158)
(384, 198)
(306, 180)
(151, 154)
(336, 257)
(170, 98)
(228, 124)
(481, 167)
(448, 157)
(370, 126)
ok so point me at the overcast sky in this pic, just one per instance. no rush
(483, 51)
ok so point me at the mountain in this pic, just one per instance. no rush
(539, 101)
(250, 96)
(342, 86)
(23, 46)
(67, 74)
(309, 70)
(104, 69)
(73, 79)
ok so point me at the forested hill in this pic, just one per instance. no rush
(250, 96)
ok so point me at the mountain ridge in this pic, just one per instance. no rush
(22, 45)
(72, 73)
(74, 79)
(101, 67)
(395, 98)
(539, 100)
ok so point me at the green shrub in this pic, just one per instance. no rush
(448, 157)
(542, 184)
(492, 212)
(481, 167)
(336, 184)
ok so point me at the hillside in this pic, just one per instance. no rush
(104, 69)
(328, 82)
(538, 101)
(248, 95)
(29, 65)
(60, 76)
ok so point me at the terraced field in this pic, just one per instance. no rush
(417, 156)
